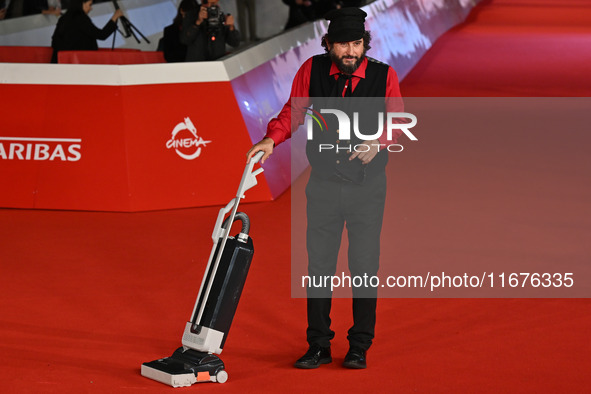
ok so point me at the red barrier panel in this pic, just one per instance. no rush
(119, 49)
(20, 54)
(122, 148)
(110, 57)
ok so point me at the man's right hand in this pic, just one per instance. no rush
(266, 145)
(202, 15)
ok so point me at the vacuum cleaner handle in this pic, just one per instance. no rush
(221, 232)
(248, 181)
(249, 177)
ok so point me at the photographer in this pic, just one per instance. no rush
(206, 32)
(76, 32)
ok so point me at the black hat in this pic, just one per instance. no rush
(346, 24)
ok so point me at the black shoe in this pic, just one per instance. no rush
(314, 357)
(355, 358)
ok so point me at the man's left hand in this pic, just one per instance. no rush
(366, 157)
(230, 21)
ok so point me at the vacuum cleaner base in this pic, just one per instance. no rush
(186, 367)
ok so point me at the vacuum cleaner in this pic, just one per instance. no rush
(206, 332)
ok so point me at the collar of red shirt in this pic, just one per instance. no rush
(360, 72)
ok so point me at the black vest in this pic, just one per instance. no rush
(327, 163)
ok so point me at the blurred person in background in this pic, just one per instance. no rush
(206, 31)
(76, 32)
(354, 3)
(322, 7)
(172, 47)
(300, 12)
(17, 8)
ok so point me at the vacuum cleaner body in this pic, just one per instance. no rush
(206, 332)
(210, 332)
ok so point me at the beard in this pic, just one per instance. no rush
(344, 67)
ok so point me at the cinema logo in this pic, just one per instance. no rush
(185, 141)
(40, 149)
(391, 120)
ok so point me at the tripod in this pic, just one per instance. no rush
(129, 29)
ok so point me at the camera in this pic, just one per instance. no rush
(215, 17)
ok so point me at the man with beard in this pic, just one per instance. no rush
(344, 187)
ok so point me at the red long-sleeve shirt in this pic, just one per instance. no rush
(279, 128)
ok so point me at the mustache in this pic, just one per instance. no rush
(347, 67)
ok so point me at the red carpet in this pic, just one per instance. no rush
(510, 48)
(86, 297)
